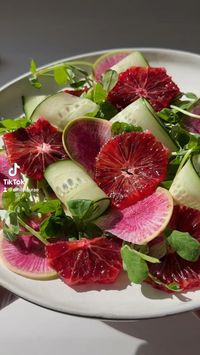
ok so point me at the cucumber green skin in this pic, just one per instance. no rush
(134, 59)
(31, 102)
(70, 182)
(140, 113)
(185, 188)
(61, 108)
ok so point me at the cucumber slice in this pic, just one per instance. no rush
(31, 102)
(140, 113)
(185, 188)
(70, 182)
(61, 108)
(135, 59)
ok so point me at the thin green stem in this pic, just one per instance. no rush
(48, 74)
(187, 113)
(51, 68)
(183, 161)
(31, 230)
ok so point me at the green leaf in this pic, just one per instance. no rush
(14, 225)
(61, 226)
(185, 245)
(9, 234)
(35, 82)
(18, 202)
(121, 127)
(79, 84)
(8, 198)
(92, 230)
(166, 184)
(33, 67)
(60, 75)
(173, 286)
(99, 94)
(109, 79)
(12, 230)
(191, 95)
(146, 257)
(81, 208)
(9, 125)
(168, 115)
(136, 266)
(47, 207)
(106, 110)
(180, 135)
(49, 228)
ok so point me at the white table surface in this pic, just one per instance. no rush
(48, 30)
(27, 329)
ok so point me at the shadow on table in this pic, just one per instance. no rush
(175, 335)
(6, 297)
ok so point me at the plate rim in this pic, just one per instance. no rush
(26, 296)
(102, 51)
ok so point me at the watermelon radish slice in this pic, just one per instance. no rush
(106, 61)
(4, 166)
(86, 261)
(193, 124)
(34, 148)
(151, 83)
(174, 269)
(83, 139)
(26, 257)
(142, 221)
(130, 166)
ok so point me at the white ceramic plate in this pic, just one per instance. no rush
(121, 300)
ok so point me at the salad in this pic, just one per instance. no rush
(103, 177)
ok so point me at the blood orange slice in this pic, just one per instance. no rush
(26, 257)
(130, 166)
(86, 261)
(174, 269)
(186, 219)
(152, 83)
(34, 148)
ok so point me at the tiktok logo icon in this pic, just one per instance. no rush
(13, 170)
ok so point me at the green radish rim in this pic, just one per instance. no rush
(69, 125)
